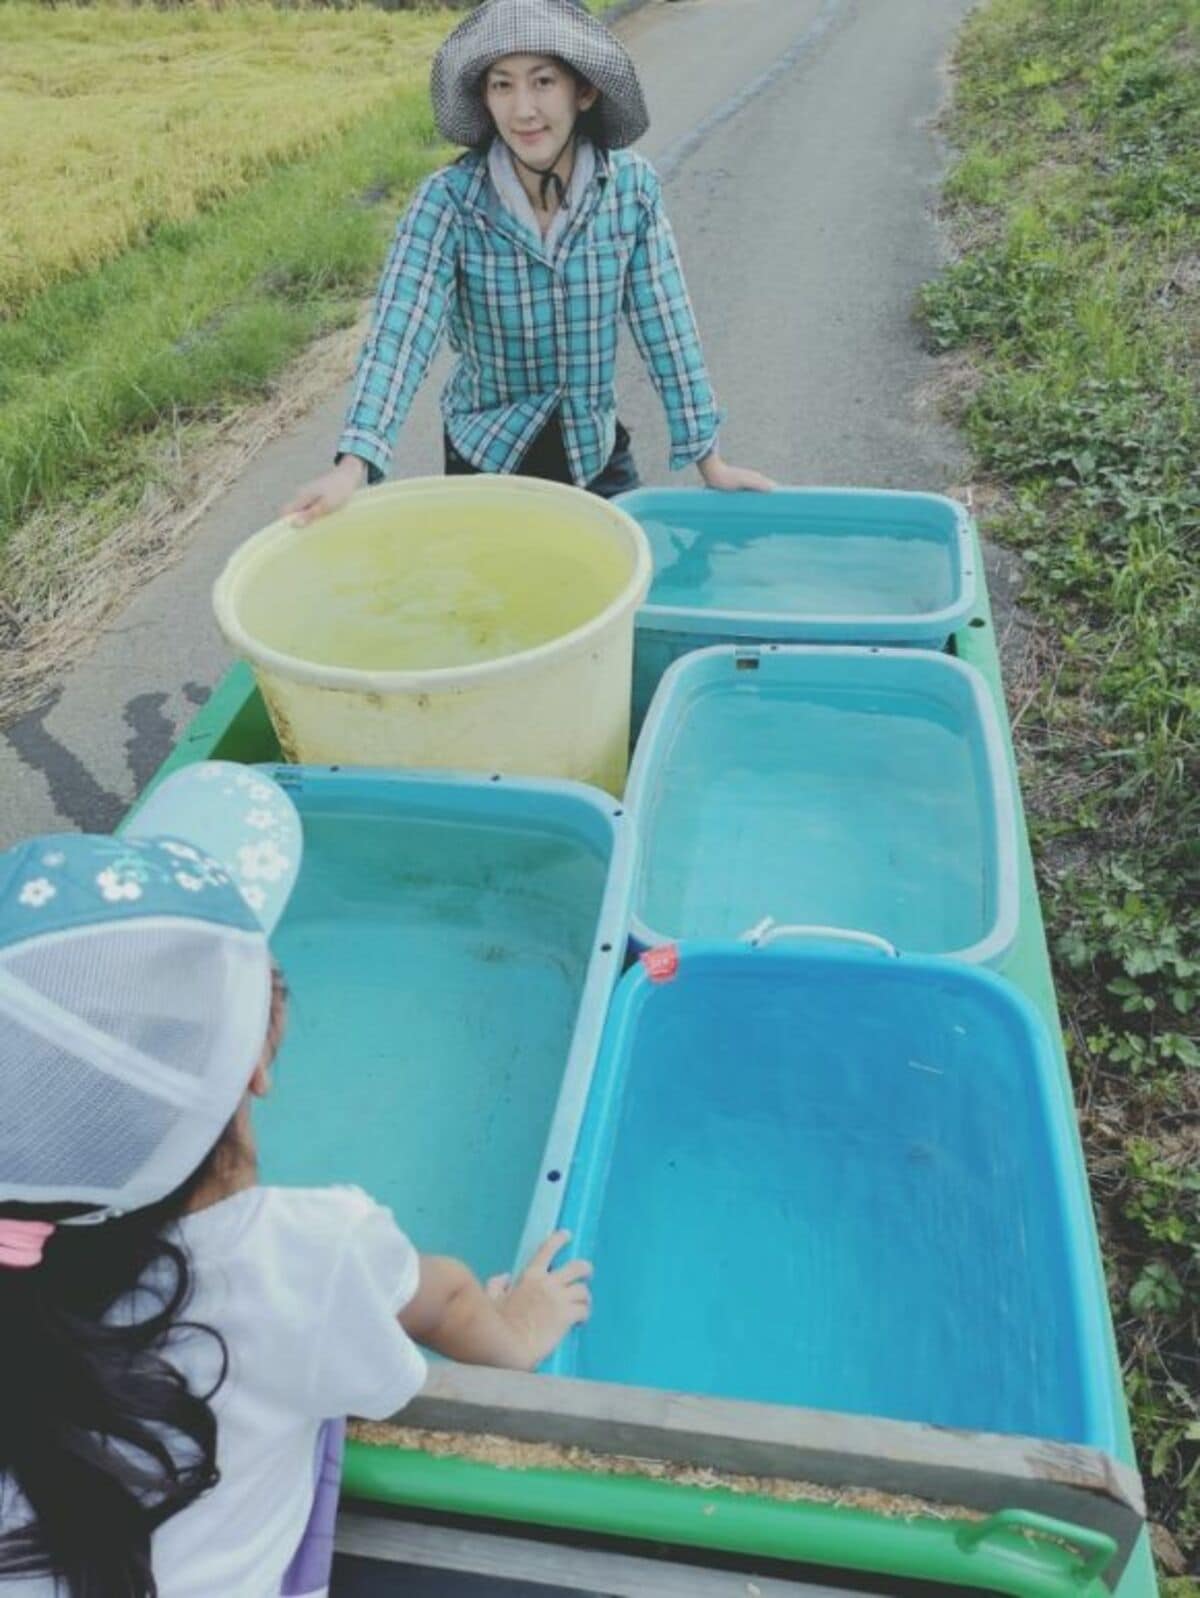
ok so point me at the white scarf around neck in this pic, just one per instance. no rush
(502, 169)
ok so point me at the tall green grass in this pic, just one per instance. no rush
(207, 311)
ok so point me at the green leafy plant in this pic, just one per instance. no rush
(1076, 299)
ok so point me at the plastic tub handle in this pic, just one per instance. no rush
(768, 931)
(1095, 1550)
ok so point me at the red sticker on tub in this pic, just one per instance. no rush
(662, 964)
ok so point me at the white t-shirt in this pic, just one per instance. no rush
(305, 1286)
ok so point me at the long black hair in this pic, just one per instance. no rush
(101, 1434)
(98, 1430)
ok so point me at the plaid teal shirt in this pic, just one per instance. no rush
(534, 333)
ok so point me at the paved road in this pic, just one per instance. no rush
(794, 139)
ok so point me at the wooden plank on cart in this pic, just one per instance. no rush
(388, 1540)
(972, 1471)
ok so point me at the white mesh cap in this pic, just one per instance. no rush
(135, 992)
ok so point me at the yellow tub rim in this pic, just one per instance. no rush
(438, 678)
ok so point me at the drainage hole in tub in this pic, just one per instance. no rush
(554, 1176)
(978, 621)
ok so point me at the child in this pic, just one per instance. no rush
(528, 251)
(180, 1343)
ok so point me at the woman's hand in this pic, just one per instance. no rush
(719, 474)
(326, 493)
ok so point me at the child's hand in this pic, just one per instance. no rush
(543, 1304)
(719, 474)
(511, 1326)
(326, 493)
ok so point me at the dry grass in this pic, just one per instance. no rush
(118, 118)
(65, 571)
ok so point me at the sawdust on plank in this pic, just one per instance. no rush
(505, 1453)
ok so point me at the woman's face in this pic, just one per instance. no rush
(534, 101)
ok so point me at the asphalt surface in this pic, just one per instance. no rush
(800, 168)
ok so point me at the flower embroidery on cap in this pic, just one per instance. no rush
(199, 869)
(266, 860)
(254, 896)
(56, 858)
(181, 851)
(259, 819)
(37, 892)
(115, 886)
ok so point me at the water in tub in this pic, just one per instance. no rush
(780, 569)
(417, 591)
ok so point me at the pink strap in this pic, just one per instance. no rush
(21, 1243)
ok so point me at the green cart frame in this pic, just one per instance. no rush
(1014, 1552)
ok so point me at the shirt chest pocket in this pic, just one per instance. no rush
(501, 289)
(594, 275)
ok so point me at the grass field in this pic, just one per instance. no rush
(115, 121)
(1074, 315)
(191, 195)
(215, 252)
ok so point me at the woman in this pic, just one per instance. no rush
(527, 252)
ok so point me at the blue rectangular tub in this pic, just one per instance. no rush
(451, 946)
(865, 789)
(800, 565)
(816, 1176)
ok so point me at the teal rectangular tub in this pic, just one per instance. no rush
(820, 1176)
(800, 565)
(450, 947)
(864, 789)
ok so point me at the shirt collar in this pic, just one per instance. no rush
(481, 197)
(510, 191)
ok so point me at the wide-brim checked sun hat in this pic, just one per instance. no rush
(534, 27)
(135, 988)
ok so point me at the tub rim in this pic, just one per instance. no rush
(922, 626)
(437, 679)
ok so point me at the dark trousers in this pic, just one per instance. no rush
(547, 457)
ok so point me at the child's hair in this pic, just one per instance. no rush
(589, 124)
(100, 1432)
